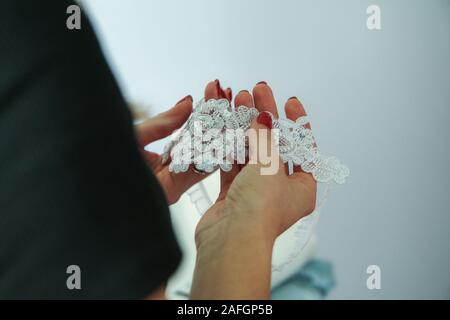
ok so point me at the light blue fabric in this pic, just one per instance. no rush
(312, 282)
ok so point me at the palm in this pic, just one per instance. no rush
(241, 179)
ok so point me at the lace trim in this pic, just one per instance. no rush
(214, 135)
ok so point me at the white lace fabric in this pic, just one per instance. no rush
(215, 132)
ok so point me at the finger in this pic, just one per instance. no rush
(263, 154)
(214, 90)
(243, 98)
(300, 180)
(294, 109)
(302, 184)
(163, 124)
(265, 102)
(264, 99)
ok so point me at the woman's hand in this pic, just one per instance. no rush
(235, 237)
(163, 125)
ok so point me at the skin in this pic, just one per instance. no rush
(235, 237)
(163, 125)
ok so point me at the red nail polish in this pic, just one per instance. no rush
(265, 118)
(262, 82)
(230, 94)
(220, 91)
(217, 85)
(188, 97)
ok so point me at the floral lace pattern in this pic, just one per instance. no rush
(206, 142)
(213, 147)
(297, 144)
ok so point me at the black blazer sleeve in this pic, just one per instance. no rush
(74, 189)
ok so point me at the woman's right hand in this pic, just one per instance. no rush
(235, 237)
(275, 201)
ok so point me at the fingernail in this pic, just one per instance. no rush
(262, 82)
(293, 98)
(188, 97)
(265, 118)
(230, 97)
(220, 91)
(243, 91)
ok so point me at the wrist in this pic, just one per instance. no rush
(233, 262)
(233, 228)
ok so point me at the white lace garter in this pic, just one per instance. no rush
(214, 137)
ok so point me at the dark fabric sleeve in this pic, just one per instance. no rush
(74, 189)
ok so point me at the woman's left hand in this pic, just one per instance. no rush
(163, 125)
